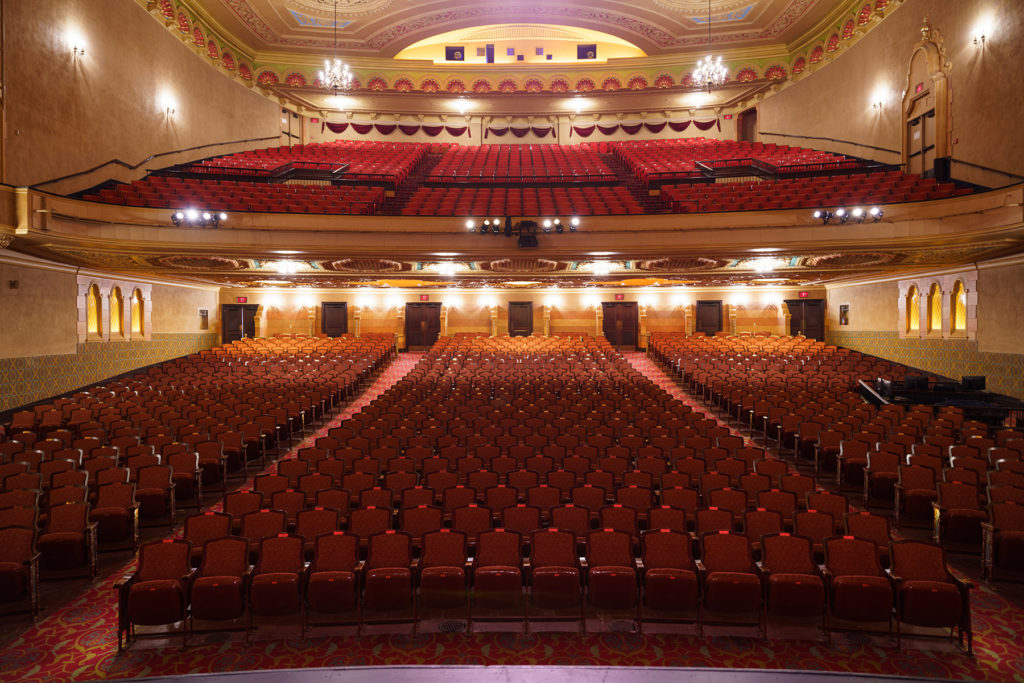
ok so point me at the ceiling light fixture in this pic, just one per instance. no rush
(335, 76)
(710, 73)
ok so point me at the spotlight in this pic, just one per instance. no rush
(875, 213)
(546, 224)
(574, 223)
(559, 228)
(824, 215)
(858, 213)
(470, 225)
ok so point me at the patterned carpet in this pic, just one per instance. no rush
(76, 641)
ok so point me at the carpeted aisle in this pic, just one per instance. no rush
(77, 641)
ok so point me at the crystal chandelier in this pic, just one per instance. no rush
(710, 73)
(335, 75)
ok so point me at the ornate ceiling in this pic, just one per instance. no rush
(382, 28)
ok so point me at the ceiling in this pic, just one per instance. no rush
(382, 28)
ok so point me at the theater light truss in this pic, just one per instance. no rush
(842, 215)
(194, 218)
(524, 230)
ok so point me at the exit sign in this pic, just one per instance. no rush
(424, 297)
(728, 117)
(620, 297)
(315, 120)
(804, 295)
(241, 299)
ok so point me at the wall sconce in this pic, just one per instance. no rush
(877, 105)
(979, 39)
(77, 51)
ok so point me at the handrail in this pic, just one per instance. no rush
(843, 142)
(132, 167)
(986, 168)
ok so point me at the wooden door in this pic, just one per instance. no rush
(620, 323)
(520, 318)
(334, 318)
(237, 321)
(807, 317)
(422, 324)
(747, 128)
(709, 317)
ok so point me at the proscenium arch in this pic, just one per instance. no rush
(931, 49)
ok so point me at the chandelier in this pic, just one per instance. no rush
(710, 73)
(335, 75)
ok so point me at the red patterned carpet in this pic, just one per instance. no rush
(76, 641)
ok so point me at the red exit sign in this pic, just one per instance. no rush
(241, 299)
(727, 117)
(424, 297)
(620, 297)
(315, 120)
(804, 295)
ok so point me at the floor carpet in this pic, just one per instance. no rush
(75, 638)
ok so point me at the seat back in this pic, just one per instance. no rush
(498, 547)
(337, 551)
(784, 553)
(169, 558)
(443, 548)
(851, 556)
(389, 549)
(226, 556)
(918, 561)
(610, 548)
(666, 549)
(280, 554)
(553, 547)
(725, 551)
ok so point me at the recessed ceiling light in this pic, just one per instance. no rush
(285, 251)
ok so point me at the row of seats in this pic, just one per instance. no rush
(932, 468)
(82, 474)
(368, 160)
(504, 578)
(230, 195)
(520, 163)
(661, 159)
(521, 201)
(812, 192)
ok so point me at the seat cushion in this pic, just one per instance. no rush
(555, 587)
(796, 595)
(930, 603)
(332, 592)
(1010, 549)
(917, 503)
(497, 587)
(612, 587)
(13, 581)
(112, 524)
(217, 597)
(275, 594)
(61, 549)
(156, 602)
(964, 525)
(861, 598)
(388, 588)
(732, 592)
(152, 503)
(443, 587)
(671, 589)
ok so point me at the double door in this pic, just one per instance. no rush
(422, 325)
(237, 321)
(621, 323)
(807, 317)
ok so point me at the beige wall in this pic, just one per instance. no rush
(572, 311)
(176, 309)
(65, 114)
(873, 307)
(1001, 309)
(835, 101)
(40, 317)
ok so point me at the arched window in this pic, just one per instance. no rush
(137, 312)
(93, 310)
(935, 308)
(958, 308)
(913, 310)
(116, 313)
